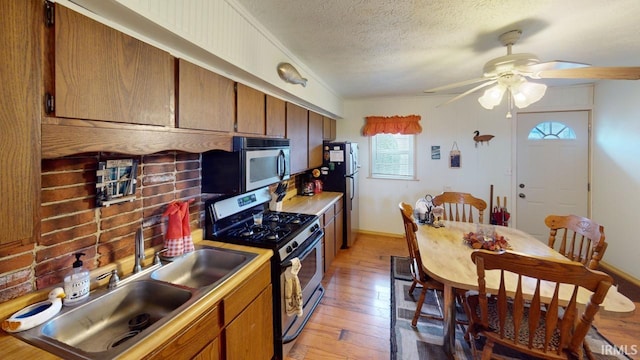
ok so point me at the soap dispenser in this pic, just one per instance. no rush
(77, 283)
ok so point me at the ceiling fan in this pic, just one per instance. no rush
(510, 72)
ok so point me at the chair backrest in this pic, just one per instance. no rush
(410, 228)
(459, 206)
(571, 326)
(581, 239)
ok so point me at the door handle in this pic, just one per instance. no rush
(522, 196)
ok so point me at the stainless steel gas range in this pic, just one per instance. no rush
(289, 235)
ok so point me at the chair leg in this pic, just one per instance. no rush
(587, 351)
(413, 287)
(423, 293)
(472, 343)
(488, 350)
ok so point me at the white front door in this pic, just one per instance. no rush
(552, 168)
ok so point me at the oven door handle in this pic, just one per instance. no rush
(306, 252)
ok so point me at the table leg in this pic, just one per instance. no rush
(449, 321)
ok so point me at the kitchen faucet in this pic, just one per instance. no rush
(139, 256)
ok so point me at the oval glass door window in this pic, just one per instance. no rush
(551, 130)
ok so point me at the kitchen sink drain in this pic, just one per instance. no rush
(140, 321)
(122, 338)
(136, 325)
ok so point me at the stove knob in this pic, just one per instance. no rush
(289, 249)
(294, 244)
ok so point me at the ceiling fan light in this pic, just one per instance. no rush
(492, 96)
(527, 93)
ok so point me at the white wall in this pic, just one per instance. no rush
(481, 166)
(616, 171)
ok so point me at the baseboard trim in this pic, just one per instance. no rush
(610, 268)
(376, 233)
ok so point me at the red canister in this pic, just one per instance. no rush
(317, 186)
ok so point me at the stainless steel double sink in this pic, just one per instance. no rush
(112, 321)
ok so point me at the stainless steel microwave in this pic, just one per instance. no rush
(253, 163)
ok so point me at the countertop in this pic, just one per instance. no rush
(14, 348)
(316, 204)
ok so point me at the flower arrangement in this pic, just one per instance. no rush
(486, 240)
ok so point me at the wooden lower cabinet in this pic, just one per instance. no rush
(333, 227)
(238, 327)
(339, 220)
(210, 352)
(196, 339)
(250, 335)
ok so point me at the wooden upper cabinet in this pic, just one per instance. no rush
(276, 116)
(315, 140)
(328, 128)
(297, 134)
(104, 74)
(21, 105)
(206, 100)
(250, 110)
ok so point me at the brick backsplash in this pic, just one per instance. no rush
(71, 222)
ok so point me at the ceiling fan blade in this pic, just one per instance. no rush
(553, 65)
(455, 85)
(613, 73)
(490, 82)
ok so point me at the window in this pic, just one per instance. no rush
(551, 130)
(392, 156)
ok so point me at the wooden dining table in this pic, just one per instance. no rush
(447, 258)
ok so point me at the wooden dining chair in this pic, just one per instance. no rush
(417, 271)
(581, 239)
(543, 329)
(459, 206)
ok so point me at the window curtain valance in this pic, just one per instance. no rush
(404, 125)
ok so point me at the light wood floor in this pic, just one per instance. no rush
(353, 319)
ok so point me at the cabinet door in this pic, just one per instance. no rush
(21, 79)
(250, 110)
(297, 133)
(197, 338)
(315, 140)
(250, 335)
(328, 128)
(339, 228)
(329, 243)
(206, 100)
(104, 74)
(210, 352)
(276, 120)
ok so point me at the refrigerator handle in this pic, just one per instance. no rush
(353, 185)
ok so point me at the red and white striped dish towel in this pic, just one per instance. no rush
(177, 238)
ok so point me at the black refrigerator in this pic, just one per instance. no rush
(340, 173)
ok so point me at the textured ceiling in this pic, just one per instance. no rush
(364, 48)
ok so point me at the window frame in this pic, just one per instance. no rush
(545, 131)
(411, 152)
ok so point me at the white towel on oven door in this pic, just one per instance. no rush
(292, 290)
